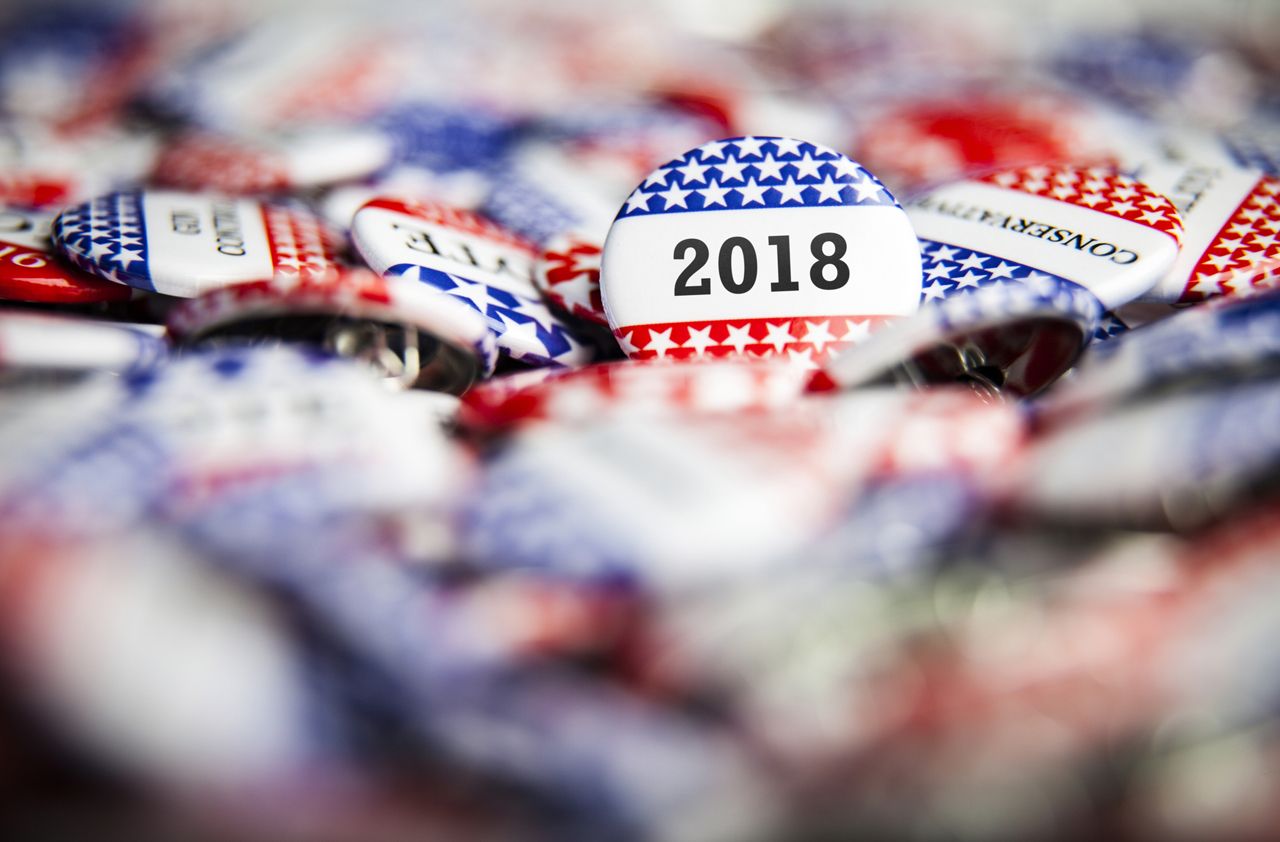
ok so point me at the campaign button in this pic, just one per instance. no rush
(1108, 233)
(184, 244)
(29, 272)
(261, 163)
(1012, 338)
(1231, 216)
(523, 327)
(412, 336)
(763, 245)
(396, 232)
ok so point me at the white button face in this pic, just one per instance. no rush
(184, 244)
(759, 245)
(1232, 219)
(1108, 233)
(392, 233)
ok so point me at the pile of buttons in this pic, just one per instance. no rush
(419, 423)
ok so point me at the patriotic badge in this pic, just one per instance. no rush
(30, 272)
(411, 335)
(1014, 338)
(1108, 233)
(472, 259)
(256, 164)
(184, 244)
(765, 246)
(1232, 239)
(568, 275)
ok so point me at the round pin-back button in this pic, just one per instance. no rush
(1232, 220)
(1011, 339)
(254, 164)
(412, 336)
(472, 259)
(763, 245)
(30, 272)
(1110, 234)
(184, 244)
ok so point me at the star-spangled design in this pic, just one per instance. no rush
(568, 274)
(212, 162)
(526, 209)
(758, 172)
(951, 270)
(523, 327)
(806, 340)
(106, 237)
(1098, 189)
(1246, 252)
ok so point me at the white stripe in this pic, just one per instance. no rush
(188, 264)
(640, 270)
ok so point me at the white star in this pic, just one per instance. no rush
(477, 294)
(934, 290)
(1062, 192)
(1219, 261)
(127, 256)
(660, 341)
(1207, 285)
(519, 338)
(769, 168)
(751, 193)
(856, 331)
(817, 334)
(802, 359)
(939, 272)
(944, 252)
(968, 279)
(1002, 270)
(624, 341)
(699, 340)
(790, 192)
(1006, 179)
(1262, 242)
(658, 176)
(829, 190)
(1122, 207)
(778, 335)
(844, 166)
(98, 251)
(674, 196)
(638, 201)
(1125, 192)
(693, 172)
(713, 151)
(731, 170)
(713, 194)
(1153, 217)
(867, 190)
(807, 167)
(973, 262)
(739, 337)
(786, 145)
(749, 147)
(1155, 202)
(1091, 199)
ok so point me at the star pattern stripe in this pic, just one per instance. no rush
(756, 172)
(1098, 189)
(807, 340)
(1246, 252)
(569, 276)
(211, 162)
(107, 238)
(300, 243)
(523, 327)
(951, 272)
